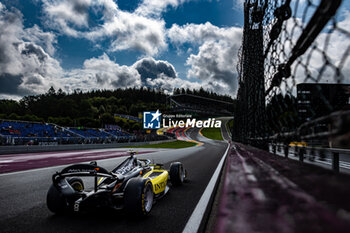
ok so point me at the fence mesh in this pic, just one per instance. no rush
(294, 72)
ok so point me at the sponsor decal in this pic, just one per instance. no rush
(82, 170)
(159, 186)
(76, 207)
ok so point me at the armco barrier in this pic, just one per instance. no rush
(50, 148)
(303, 151)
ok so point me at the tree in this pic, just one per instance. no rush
(14, 116)
(85, 108)
(101, 109)
(51, 91)
(61, 93)
(136, 126)
(107, 118)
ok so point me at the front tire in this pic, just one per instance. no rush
(138, 197)
(177, 173)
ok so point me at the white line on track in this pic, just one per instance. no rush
(195, 220)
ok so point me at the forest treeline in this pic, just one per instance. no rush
(94, 108)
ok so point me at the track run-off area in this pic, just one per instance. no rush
(25, 179)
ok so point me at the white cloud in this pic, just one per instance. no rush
(128, 30)
(238, 4)
(215, 62)
(149, 68)
(25, 65)
(47, 40)
(168, 84)
(28, 67)
(199, 33)
(65, 14)
(137, 32)
(101, 73)
(154, 8)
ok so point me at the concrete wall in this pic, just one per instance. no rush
(50, 148)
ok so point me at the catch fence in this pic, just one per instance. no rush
(294, 72)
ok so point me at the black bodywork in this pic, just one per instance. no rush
(108, 186)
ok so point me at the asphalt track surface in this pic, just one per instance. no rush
(23, 196)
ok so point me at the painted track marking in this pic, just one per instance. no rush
(198, 213)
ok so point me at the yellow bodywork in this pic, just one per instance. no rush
(298, 144)
(159, 179)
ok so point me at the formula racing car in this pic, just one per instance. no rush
(133, 186)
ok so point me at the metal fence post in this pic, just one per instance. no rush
(312, 154)
(321, 154)
(335, 162)
(286, 150)
(301, 154)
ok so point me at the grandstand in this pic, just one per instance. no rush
(117, 133)
(90, 133)
(198, 106)
(35, 133)
(31, 129)
(21, 132)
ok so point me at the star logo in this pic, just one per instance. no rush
(151, 120)
(156, 115)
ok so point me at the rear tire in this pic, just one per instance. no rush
(55, 201)
(138, 197)
(177, 173)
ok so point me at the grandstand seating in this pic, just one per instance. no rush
(117, 133)
(90, 133)
(28, 129)
(35, 133)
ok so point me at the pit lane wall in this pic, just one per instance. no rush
(51, 148)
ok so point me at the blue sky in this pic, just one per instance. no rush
(106, 44)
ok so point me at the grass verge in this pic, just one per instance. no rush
(229, 127)
(230, 124)
(212, 133)
(175, 145)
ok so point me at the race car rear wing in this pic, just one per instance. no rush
(84, 170)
